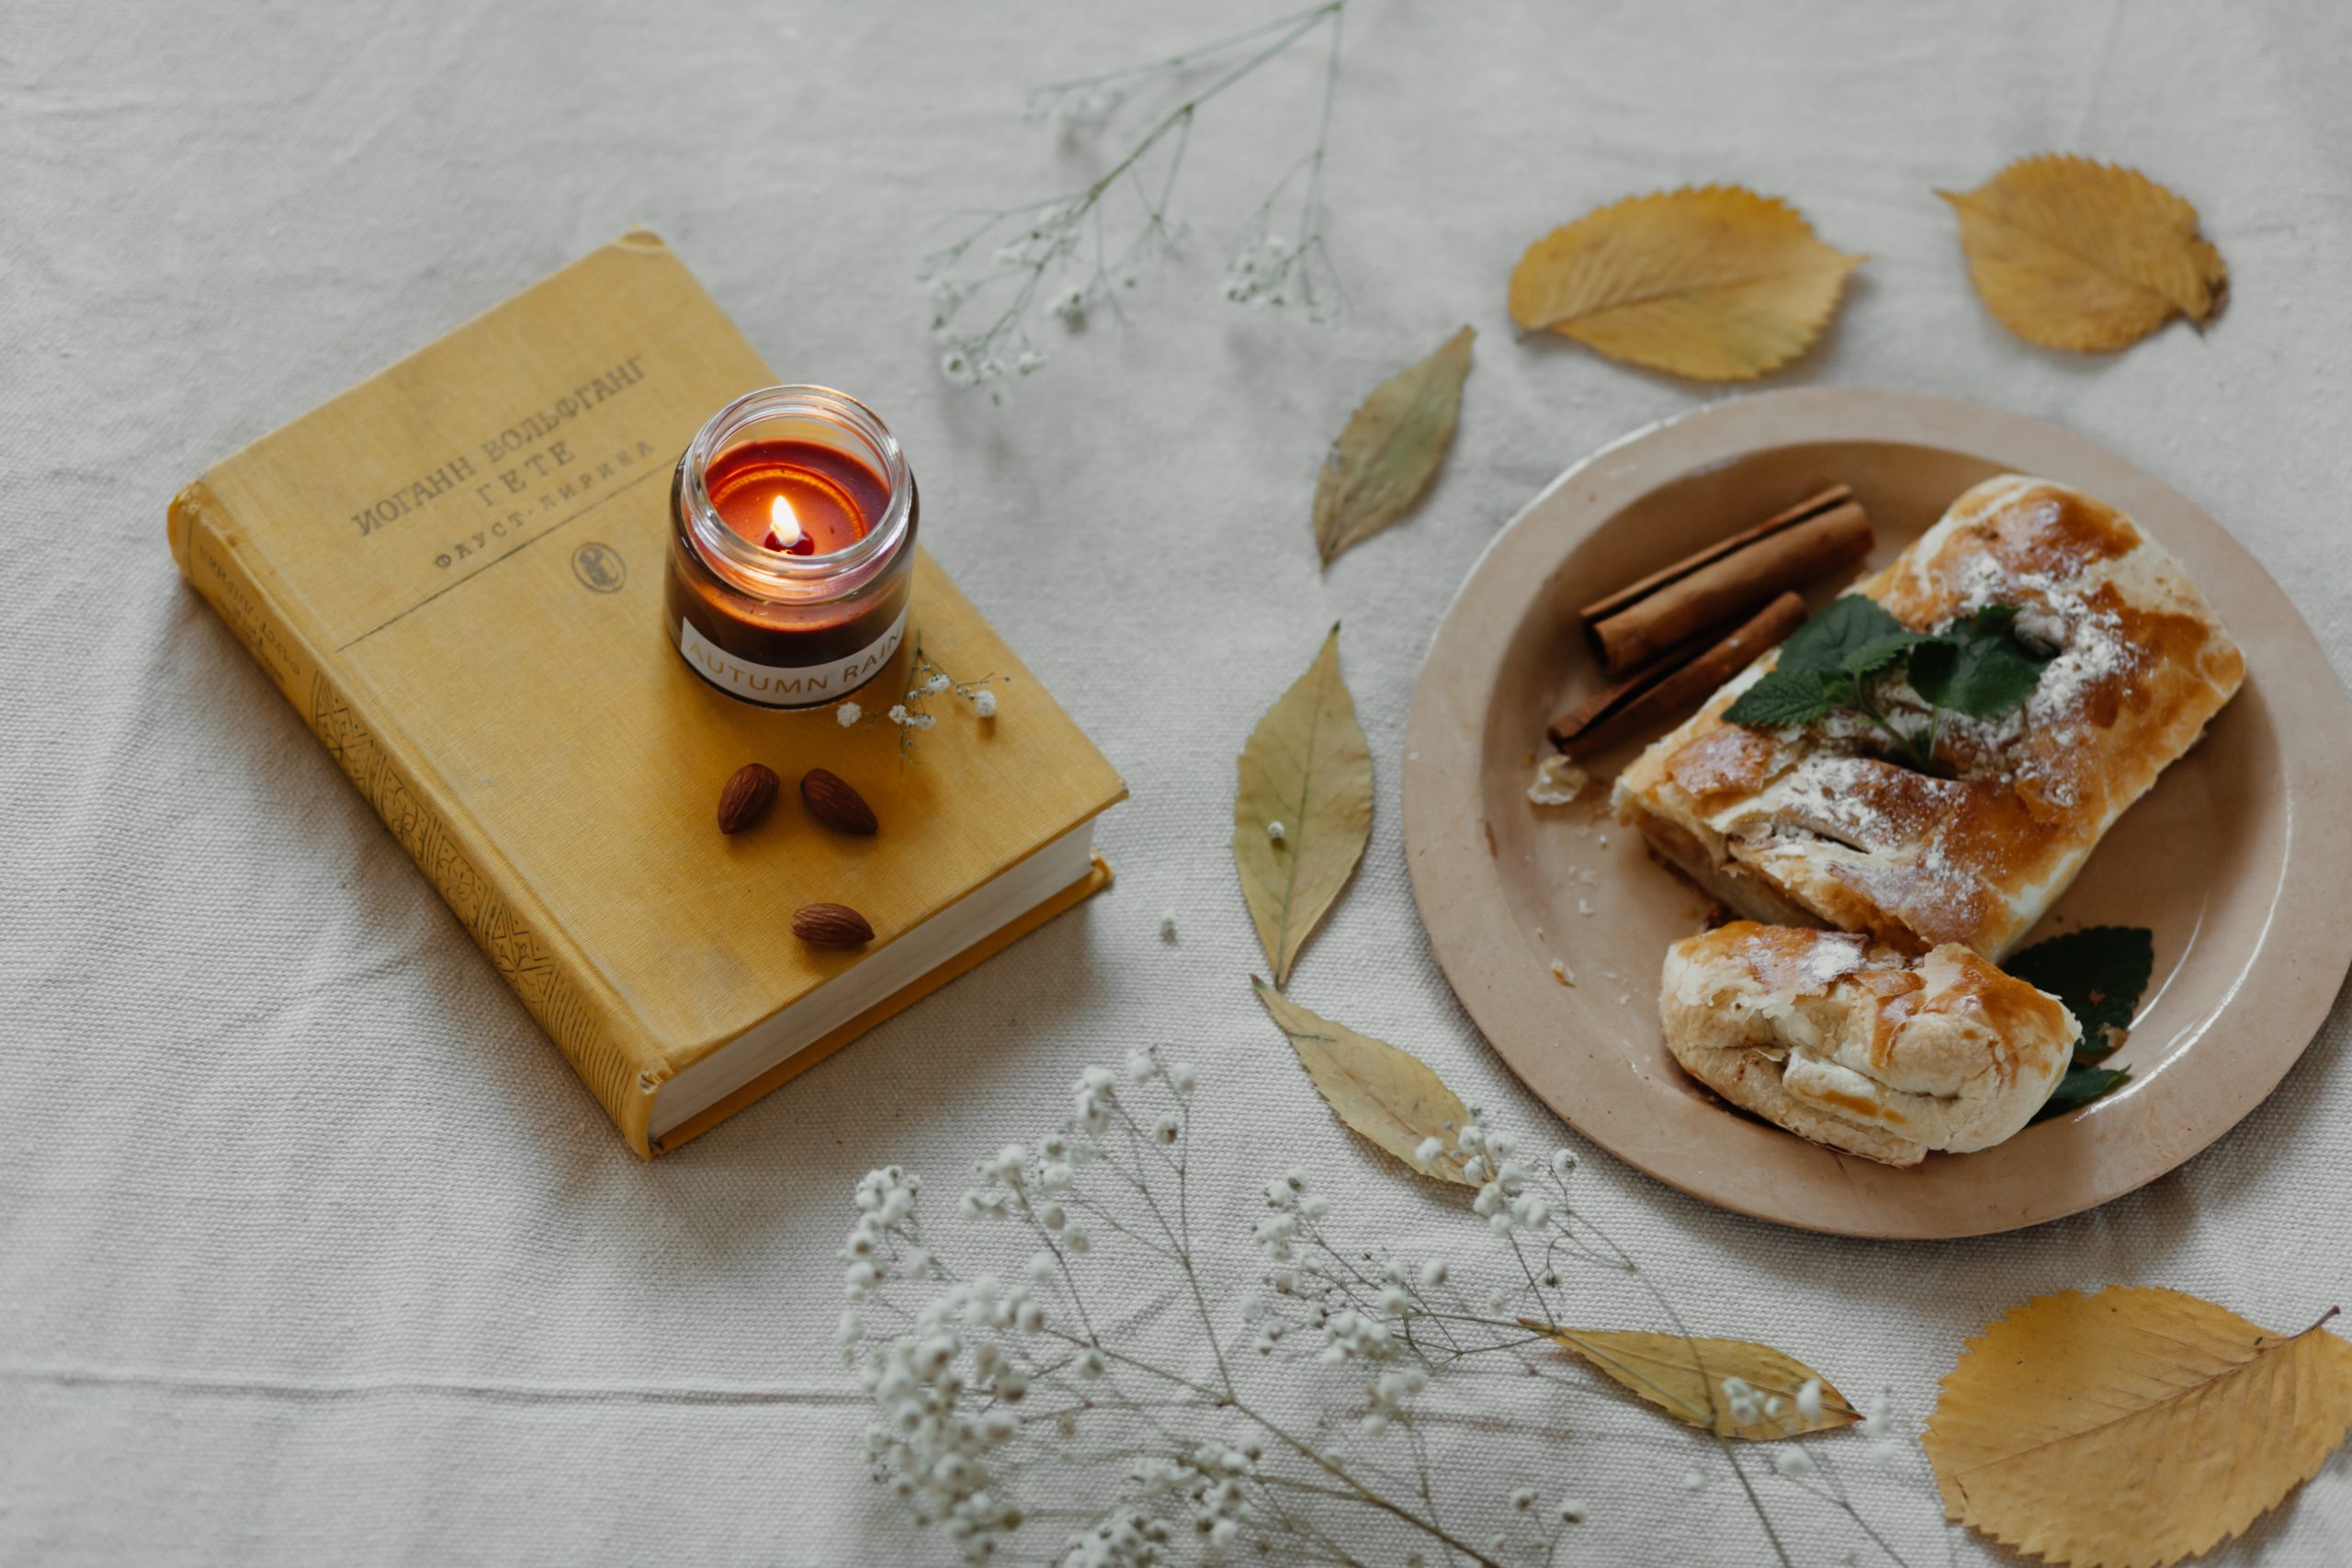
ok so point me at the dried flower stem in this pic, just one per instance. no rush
(982, 1366)
(1065, 236)
(926, 680)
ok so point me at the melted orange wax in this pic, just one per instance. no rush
(834, 498)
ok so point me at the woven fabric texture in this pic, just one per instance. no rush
(313, 1249)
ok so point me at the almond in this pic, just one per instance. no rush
(831, 801)
(830, 925)
(748, 793)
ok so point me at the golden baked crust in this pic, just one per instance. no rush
(1820, 825)
(1848, 1042)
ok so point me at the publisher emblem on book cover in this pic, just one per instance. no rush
(599, 567)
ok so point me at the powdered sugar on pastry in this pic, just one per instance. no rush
(1823, 825)
(1851, 1044)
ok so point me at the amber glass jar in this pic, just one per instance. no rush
(792, 542)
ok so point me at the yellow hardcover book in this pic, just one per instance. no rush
(454, 572)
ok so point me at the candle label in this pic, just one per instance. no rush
(778, 687)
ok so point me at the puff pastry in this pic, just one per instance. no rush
(1819, 826)
(1850, 1043)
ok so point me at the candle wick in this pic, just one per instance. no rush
(783, 527)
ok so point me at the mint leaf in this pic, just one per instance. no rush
(2078, 1088)
(1850, 636)
(2099, 972)
(1786, 698)
(1977, 667)
(1879, 652)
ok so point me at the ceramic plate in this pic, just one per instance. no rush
(2236, 860)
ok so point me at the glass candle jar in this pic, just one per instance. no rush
(792, 547)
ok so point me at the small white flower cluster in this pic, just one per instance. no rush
(1878, 1424)
(1389, 1396)
(885, 1202)
(1212, 1480)
(1005, 1190)
(925, 680)
(1258, 272)
(1506, 1200)
(1078, 111)
(1065, 255)
(1093, 1096)
(929, 1440)
(1046, 244)
(1204, 1486)
(1750, 1405)
(1277, 1234)
(1351, 1335)
(982, 1363)
(1129, 1538)
(1268, 271)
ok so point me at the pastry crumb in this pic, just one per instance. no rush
(1557, 782)
(1560, 973)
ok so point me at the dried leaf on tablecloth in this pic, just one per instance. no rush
(2133, 1427)
(1684, 1377)
(1716, 283)
(2071, 254)
(1387, 1094)
(1391, 448)
(1302, 812)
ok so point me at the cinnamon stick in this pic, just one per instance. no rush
(1666, 688)
(1730, 579)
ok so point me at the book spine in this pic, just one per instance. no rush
(567, 998)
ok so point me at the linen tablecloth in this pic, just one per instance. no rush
(310, 1248)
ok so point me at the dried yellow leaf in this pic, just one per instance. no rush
(1684, 1377)
(2071, 254)
(2133, 1427)
(1388, 1094)
(1302, 808)
(1717, 283)
(1391, 448)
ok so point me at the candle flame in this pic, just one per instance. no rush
(784, 529)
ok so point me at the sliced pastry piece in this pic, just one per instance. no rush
(1821, 824)
(1852, 1043)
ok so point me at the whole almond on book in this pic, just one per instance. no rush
(831, 801)
(830, 925)
(749, 793)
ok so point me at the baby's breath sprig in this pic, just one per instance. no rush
(1070, 255)
(1016, 1415)
(926, 680)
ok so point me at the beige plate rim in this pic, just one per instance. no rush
(1570, 1047)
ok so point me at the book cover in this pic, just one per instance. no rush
(454, 572)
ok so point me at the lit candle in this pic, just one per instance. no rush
(794, 518)
(784, 529)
